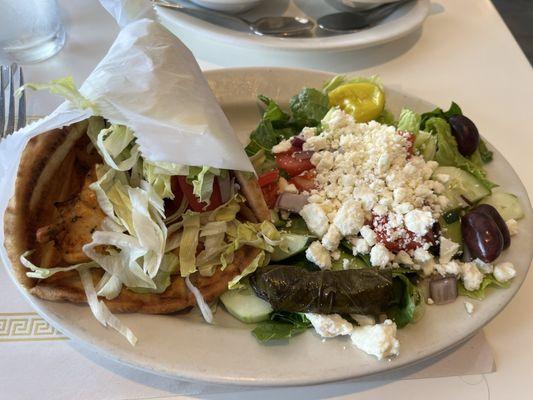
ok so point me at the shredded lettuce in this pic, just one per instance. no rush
(100, 310)
(259, 261)
(202, 180)
(64, 87)
(189, 243)
(43, 273)
(169, 266)
(149, 230)
(117, 147)
(202, 305)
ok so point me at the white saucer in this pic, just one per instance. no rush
(403, 21)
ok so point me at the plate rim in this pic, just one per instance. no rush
(333, 43)
(110, 352)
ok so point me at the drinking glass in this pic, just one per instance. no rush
(30, 30)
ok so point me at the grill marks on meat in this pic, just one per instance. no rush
(78, 218)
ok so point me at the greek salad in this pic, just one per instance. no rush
(379, 216)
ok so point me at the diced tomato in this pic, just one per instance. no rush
(268, 177)
(407, 241)
(291, 165)
(194, 204)
(410, 142)
(304, 181)
(270, 193)
(171, 206)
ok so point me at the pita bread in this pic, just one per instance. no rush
(52, 169)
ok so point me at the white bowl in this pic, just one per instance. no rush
(359, 4)
(228, 6)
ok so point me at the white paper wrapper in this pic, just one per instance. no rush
(150, 82)
(126, 11)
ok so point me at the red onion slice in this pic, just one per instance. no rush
(291, 201)
(224, 184)
(297, 142)
(443, 290)
(303, 155)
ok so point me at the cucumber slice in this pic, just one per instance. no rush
(295, 243)
(461, 184)
(244, 305)
(506, 204)
(451, 230)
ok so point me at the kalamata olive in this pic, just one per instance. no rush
(482, 236)
(466, 134)
(495, 215)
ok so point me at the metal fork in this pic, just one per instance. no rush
(8, 83)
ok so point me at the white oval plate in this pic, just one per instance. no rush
(402, 22)
(184, 346)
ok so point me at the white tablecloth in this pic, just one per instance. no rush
(464, 53)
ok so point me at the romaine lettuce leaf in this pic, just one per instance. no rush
(409, 299)
(409, 121)
(273, 112)
(309, 107)
(488, 281)
(440, 113)
(282, 325)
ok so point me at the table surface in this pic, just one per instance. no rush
(464, 53)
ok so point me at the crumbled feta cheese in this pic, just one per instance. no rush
(504, 272)
(336, 255)
(428, 267)
(512, 225)
(430, 301)
(327, 161)
(421, 255)
(484, 267)
(284, 186)
(380, 256)
(350, 218)
(315, 218)
(360, 246)
(444, 178)
(332, 238)
(329, 325)
(447, 249)
(471, 275)
(451, 268)
(318, 255)
(315, 143)
(345, 263)
(378, 340)
(403, 258)
(419, 222)
(308, 132)
(469, 307)
(282, 147)
(363, 320)
(368, 234)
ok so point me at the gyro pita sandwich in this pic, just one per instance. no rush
(130, 206)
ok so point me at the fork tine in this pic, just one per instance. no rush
(2, 102)
(22, 103)
(11, 111)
